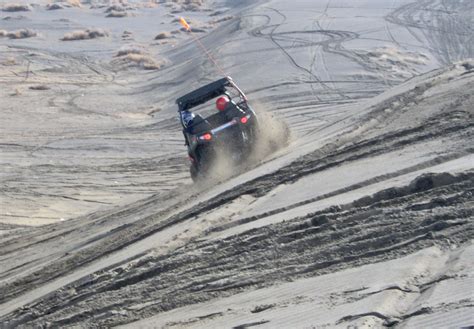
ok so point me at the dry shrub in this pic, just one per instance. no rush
(54, 6)
(127, 35)
(97, 6)
(85, 35)
(142, 60)
(13, 7)
(163, 35)
(14, 18)
(133, 49)
(17, 92)
(217, 13)
(74, 3)
(136, 56)
(188, 5)
(39, 87)
(222, 19)
(189, 2)
(150, 4)
(21, 34)
(115, 8)
(10, 61)
(3, 33)
(191, 7)
(117, 14)
(154, 110)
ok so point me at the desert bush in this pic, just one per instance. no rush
(220, 20)
(188, 2)
(117, 14)
(163, 35)
(136, 56)
(217, 13)
(127, 35)
(10, 61)
(142, 60)
(85, 35)
(74, 3)
(39, 87)
(54, 6)
(21, 34)
(15, 18)
(131, 49)
(17, 92)
(13, 7)
(3, 33)
(181, 5)
(115, 8)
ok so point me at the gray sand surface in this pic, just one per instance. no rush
(363, 218)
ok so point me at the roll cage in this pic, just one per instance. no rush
(206, 93)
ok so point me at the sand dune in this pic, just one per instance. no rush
(363, 218)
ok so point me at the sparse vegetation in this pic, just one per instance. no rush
(10, 61)
(163, 35)
(115, 8)
(189, 2)
(117, 14)
(188, 5)
(222, 19)
(19, 34)
(54, 6)
(127, 35)
(130, 50)
(136, 56)
(14, 7)
(17, 92)
(17, 18)
(142, 60)
(39, 87)
(154, 110)
(217, 13)
(85, 35)
(74, 3)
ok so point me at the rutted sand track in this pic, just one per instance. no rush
(361, 183)
(366, 230)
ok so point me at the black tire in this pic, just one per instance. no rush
(200, 169)
(193, 170)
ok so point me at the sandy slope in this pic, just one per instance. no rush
(378, 171)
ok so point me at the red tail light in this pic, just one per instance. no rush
(207, 137)
(244, 120)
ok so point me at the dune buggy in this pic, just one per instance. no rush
(216, 120)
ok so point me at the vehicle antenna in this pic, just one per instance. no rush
(186, 26)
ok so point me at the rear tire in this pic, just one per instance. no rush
(194, 173)
(200, 168)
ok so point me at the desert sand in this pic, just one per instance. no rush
(362, 218)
